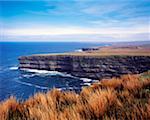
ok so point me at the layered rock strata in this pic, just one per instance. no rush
(94, 67)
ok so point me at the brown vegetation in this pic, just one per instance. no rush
(127, 98)
(124, 50)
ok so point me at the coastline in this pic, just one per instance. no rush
(93, 63)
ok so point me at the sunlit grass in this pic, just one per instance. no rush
(127, 97)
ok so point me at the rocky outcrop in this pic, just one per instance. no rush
(89, 49)
(95, 67)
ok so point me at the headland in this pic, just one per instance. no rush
(94, 63)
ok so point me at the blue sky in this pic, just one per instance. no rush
(75, 20)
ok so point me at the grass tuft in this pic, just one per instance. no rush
(127, 97)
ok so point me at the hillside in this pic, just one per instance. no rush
(127, 98)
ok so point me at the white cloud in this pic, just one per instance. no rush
(67, 30)
(80, 38)
(123, 23)
(101, 9)
(78, 34)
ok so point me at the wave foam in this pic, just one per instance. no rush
(46, 72)
(28, 76)
(68, 88)
(41, 71)
(88, 84)
(29, 84)
(86, 79)
(13, 68)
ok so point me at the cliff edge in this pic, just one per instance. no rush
(104, 62)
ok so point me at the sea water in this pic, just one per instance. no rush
(24, 83)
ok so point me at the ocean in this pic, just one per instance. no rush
(24, 83)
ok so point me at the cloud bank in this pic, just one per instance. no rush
(79, 21)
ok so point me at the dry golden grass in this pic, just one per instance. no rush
(127, 98)
(143, 50)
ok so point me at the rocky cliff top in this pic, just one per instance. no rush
(94, 64)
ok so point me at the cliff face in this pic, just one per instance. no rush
(88, 66)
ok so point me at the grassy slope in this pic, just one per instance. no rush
(127, 97)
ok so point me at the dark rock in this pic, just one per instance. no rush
(88, 66)
(89, 49)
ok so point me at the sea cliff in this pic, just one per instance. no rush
(104, 62)
(95, 67)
